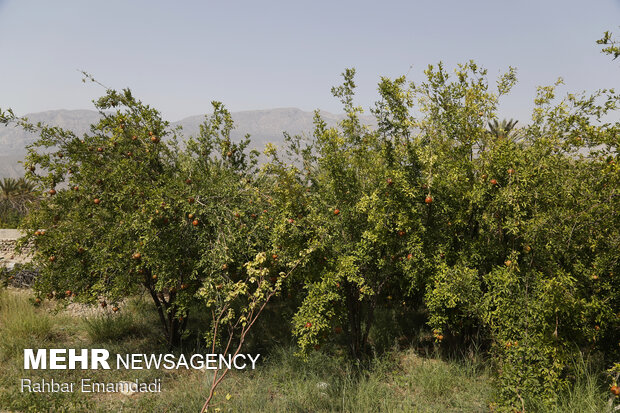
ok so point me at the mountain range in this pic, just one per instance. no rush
(262, 125)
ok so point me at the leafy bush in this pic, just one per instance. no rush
(506, 236)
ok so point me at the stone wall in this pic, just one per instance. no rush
(10, 234)
(8, 240)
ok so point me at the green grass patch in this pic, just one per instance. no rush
(22, 325)
(397, 381)
(110, 327)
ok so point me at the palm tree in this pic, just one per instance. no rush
(16, 197)
(501, 130)
(9, 188)
(25, 193)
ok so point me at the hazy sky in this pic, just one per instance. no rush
(178, 56)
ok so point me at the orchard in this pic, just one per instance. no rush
(493, 237)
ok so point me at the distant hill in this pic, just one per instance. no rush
(263, 126)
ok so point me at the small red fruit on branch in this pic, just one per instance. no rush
(136, 256)
(429, 199)
(511, 171)
(308, 324)
(52, 258)
(336, 211)
(52, 191)
(195, 222)
(97, 201)
(615, 390)
(493, 181)
(389, 181)
(190, 200)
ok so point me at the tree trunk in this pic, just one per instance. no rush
(354, 308)
(168, 318)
